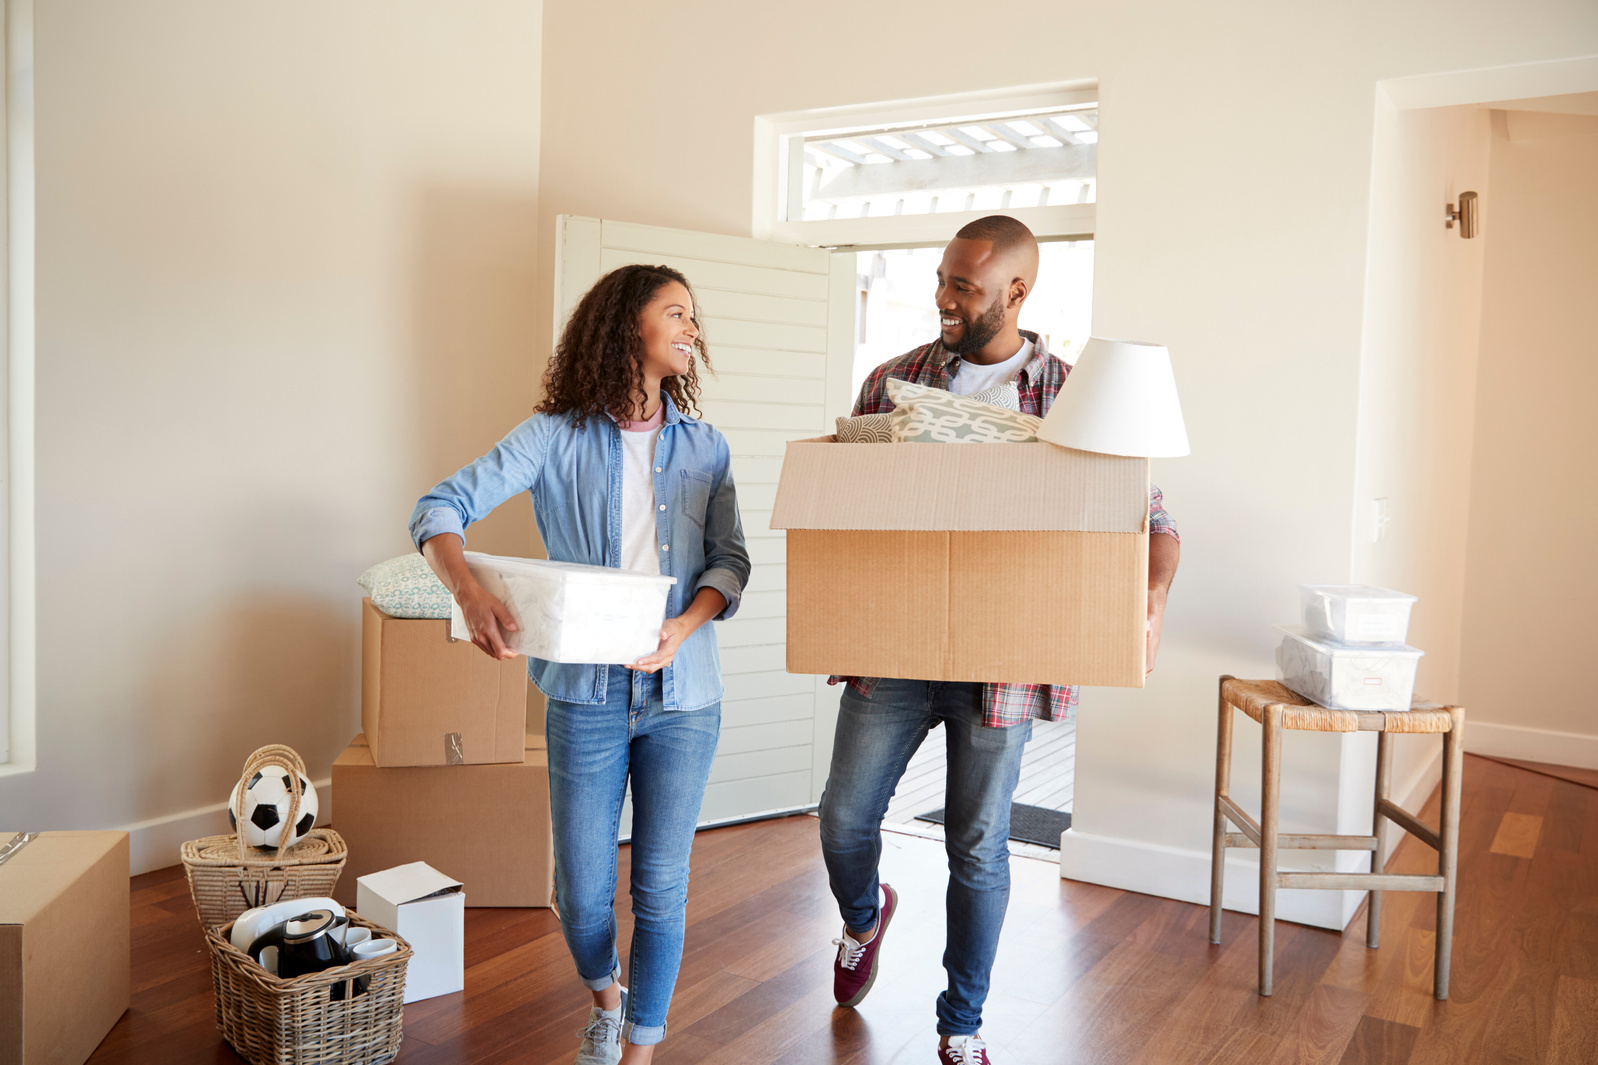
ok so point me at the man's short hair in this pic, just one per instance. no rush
(1002, 231)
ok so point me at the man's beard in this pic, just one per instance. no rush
(976, 335)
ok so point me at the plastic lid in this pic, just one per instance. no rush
(604, 573)
(1356, 591)
(1303, 635)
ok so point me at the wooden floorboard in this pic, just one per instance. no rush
(1085, 974)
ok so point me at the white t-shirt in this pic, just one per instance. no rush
(640, 550)
(970, 377)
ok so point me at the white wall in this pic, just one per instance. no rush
(286, 258)
(1235, 177)
(1530, 575)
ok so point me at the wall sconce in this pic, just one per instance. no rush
(1464, 214)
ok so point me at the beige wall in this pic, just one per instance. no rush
(286, 265)
(1417, 388)
(1235, 178)
(1530, 576)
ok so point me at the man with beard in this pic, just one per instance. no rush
(986, 274)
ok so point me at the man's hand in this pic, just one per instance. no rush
(485, 618)
(1156, 619)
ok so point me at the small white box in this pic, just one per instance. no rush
(1356, 613)
(1347, 678)
(569, 612)
(428, 910)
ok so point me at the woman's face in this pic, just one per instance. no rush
(668, 329)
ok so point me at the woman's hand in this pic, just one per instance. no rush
(706, 605)
(486, 618)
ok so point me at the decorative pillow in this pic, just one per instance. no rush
(925, 415)
(1005, 395)
(866, 429)
(406, 587)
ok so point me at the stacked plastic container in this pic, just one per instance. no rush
(1349, 653)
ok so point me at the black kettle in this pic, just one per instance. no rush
(305, 944)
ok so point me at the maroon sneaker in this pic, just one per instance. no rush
(964, 1050)
(855, 969)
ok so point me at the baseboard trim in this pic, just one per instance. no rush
(157, 843)
(1532, 744)
(1184, 875)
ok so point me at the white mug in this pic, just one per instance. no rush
(373, 948)
(353, 935)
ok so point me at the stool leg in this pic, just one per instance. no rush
(1448, 856)
(1384, 781)
(1223, 787)
(1270, 792)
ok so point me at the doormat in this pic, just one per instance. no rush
(1028, 824)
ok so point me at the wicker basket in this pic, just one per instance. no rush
(271, 1021)
(227, 876)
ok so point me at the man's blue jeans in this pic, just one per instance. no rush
(876, 737)
(592, 752)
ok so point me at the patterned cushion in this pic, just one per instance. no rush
(925, 415)
(866, 429)
(405, 587)
(1006, 395)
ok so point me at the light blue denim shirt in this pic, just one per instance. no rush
(574, 477)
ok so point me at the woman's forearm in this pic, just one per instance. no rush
(446, 554)
(706, 605)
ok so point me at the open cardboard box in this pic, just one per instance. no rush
(1021, 563)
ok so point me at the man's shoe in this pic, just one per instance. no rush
(602, 1035)
(855, 969)
(964, 1050)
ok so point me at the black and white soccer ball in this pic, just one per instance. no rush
(261, 804)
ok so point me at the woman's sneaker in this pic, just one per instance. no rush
(964, 1050)
(602, 1036)
(855, 969)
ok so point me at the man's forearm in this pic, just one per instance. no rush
(1164, 551)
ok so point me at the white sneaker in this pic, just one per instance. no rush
(964, 1050)
(602, 1036)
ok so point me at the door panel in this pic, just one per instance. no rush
(779, 323)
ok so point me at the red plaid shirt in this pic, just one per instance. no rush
(1038, 383)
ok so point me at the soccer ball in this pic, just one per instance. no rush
(262, 804)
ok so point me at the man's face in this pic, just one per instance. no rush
(973, 291)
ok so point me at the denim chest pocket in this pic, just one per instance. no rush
(694, 495)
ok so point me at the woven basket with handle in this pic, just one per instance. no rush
(349, 1015)
(227, 876)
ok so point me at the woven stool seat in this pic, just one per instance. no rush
(1277, 709)
(1253, 696)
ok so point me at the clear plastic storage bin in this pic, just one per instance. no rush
(569, 612)
(1347, 678)
(1356, 613)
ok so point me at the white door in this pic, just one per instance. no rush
(779, 323)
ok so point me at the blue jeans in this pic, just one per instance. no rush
(876, 737)
(592, 752)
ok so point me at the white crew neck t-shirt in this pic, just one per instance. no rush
(970, 377)
(639, 548)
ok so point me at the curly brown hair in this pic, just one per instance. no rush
(598, 366)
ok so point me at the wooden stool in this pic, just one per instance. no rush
(1276, 708)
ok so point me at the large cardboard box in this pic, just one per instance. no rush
(429, 700)
(487, 825)
(64, 944)
(1023, 563)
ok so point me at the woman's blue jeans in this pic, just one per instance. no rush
(593, 751)
(875, 738)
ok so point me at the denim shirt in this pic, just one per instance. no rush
(574, 477)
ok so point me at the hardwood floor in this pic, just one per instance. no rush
(1084, 974)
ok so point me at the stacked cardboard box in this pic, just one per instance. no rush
(445, 771)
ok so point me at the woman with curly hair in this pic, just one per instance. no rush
(620, 475)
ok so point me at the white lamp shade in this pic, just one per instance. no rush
(1119, 399)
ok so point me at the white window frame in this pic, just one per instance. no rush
(779, 143)
(18, 645)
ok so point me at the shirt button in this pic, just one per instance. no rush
(657, 469)
(665, 547)
(662, 506)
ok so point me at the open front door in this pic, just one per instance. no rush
(779, 322)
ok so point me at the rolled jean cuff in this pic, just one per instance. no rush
(639, 1035)
(604, 981)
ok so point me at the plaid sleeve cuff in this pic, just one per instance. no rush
(1160, 521)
